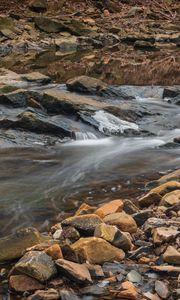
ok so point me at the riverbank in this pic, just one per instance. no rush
(118, 250)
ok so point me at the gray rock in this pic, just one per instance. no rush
(36, 264)
(134, 277)
(162, 289)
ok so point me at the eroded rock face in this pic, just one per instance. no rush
(15, 245)
(172, 256)
(37, 265)
(85, 223)
(23, 283)
(123, 221)
(109, 208)
(74, 271)
(97, 251)
(114, 236)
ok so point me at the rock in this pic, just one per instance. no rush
(171, 256)
(171, 92)
(85, 223)
(171, 198)
(38, 5)
(109, 208)
(141, 217)
(15, 245)
(37, 265)
(97, 251)
(164, 234)
(130, 208)
(149, 199)
(36, 77)
(173, 176)
(153, 223)
(68, 295)
(114, 236)
(23, 283)
(162, 289)
(166, 269)
(67, 44)
(17, 98)
(50, 294)
(93, 290)
(151, 296)
(123, 221)
(54, 251)
(128, 291)
(85, 209)
(74, 271)
(141, 251)
(166, 187)
(95, 271)
(69, 235)
(134, 277)
(145, 46)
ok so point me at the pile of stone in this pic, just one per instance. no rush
(119, 249)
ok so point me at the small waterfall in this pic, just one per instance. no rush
(85, 136)
(109, 124)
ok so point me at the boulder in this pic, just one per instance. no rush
(123, 221)
(97, 251)
(128, 291)
(171, 256)
(37, 265)
(164, 234)
(171, 198)
(15, 245)
(83, 223)
(23, 283)
(38, 5)
(50, 294)
(161, 289)
(76, 272)
(114, 236)
(109, 208)
(36, 77)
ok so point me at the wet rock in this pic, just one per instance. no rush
(50, 294)
(69, 235)
(17, 98)
(37, 265)
(74, 271)
(164, 234)
(171, 198)
(36, 77)
(134, 277)
(38, 5)
(171, 92)
(166, 187)
(97, 251)
(54, 251)
(172, 256)
(123, 221)
(141, 217)
(162, 289)
(23, 283)
(85, 223)
(114, 236)
(85, 209)
(130, 208)
(15, 245)
(149, 199)
(128, 291)
(173, 176)
(109, 208)
(145, 46)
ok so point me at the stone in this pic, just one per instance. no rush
(166, 187)
(164, 234)
(50, 294)
(171, 256)
(67, 44)
(54, 251)
(97, 251)
(166, 269)
(109, 208)
(114, 236)
(85, 223)
(95, 271)
(76, 272)
(85, 209)
(149, 199)
(23, 283)
(145, 46)
(161, 289)
(151, 296)
(38, 5)
(153, 223)
(173, 176)
(171, 92)
(37, 265)
(171, 198)
(134, 276)
(36, 77)
(141, 217)
(130, 208)
(17, 98)
(123, 221)
(68, 295)
(69, 235)
(15, 245)
(128, 291)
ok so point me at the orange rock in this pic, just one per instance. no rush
(54, 251)
(85, 209)
(109, 208)
(123, 221)
(22, 283)
(106, 13)
(128, 291)
(112, 279)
